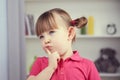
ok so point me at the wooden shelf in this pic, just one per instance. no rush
(62, 0)
(110, 74)
(96, 36)
(31, 37)
(80, 36)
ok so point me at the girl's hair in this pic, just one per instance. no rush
(46, 21)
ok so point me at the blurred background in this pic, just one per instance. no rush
(99, 39)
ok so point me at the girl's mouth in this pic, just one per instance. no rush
(49, 48)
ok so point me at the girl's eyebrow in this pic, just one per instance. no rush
(51, 29)
(39, 36)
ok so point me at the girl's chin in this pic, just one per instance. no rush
(52, 51)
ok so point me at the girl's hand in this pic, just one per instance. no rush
(53, 59)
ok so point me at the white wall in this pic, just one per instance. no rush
(104, 11)
(3, 41)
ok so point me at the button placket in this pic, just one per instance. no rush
(61, 71)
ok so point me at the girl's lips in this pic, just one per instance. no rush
(49, 47)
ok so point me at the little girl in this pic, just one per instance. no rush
(56, 31)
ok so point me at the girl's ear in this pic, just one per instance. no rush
(71, 33)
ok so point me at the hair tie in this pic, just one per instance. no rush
(73, 22)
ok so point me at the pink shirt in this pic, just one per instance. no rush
(73, 68)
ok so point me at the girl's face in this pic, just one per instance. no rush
(56, 39)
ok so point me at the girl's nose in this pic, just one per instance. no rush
(47, 40)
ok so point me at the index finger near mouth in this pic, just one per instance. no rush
(48, 51)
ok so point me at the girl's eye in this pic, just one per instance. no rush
(51, 32)
(41, 37)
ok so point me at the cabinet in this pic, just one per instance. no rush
(104, 12)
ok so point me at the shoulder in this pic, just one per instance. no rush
(88, 65)
(39, 64)
(77, 58)
(41, 60)
(90, 69)
(86, 61)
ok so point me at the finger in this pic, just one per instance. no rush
(48, 51)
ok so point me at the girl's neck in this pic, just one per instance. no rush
(67, 54)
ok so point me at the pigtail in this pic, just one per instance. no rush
(79, 22)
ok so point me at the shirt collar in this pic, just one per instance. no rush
(76, 56)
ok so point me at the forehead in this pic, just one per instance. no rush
(59, 21)
(45, 22)
(49, 21)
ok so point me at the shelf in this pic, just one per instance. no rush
(49, 0)
(81, 36)
(110, 74)
(31, 37)
(96, 36)
(62, 0)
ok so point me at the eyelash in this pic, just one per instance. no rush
(50, 32)
(41, 37)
